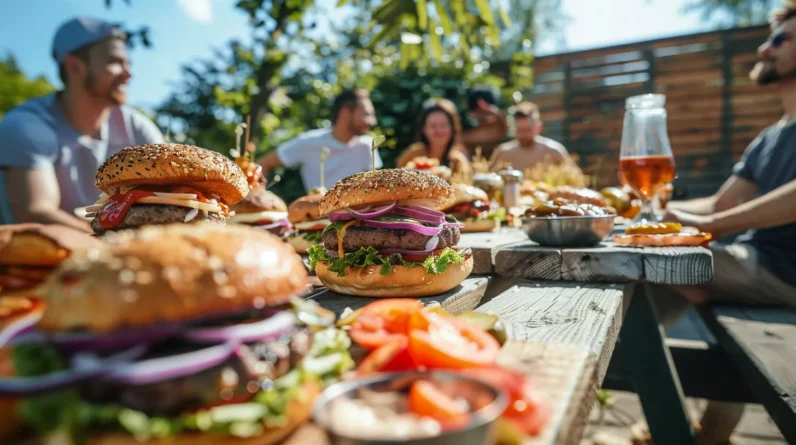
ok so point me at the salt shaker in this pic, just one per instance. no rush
(512, 179)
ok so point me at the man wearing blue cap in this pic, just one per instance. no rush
(51, 147)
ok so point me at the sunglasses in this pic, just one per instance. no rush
(776, 40)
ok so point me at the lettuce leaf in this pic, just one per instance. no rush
(368, 256)
(498, 214)
(313, 237)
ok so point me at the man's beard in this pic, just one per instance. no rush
(110, 93)
(766, 74)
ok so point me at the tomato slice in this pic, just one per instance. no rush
(440, 342)
(428, 400)
(383, 321)
(526, 411)
(389, 357)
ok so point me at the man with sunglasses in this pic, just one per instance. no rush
(758, 202)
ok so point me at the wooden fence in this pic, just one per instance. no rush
(714, 110)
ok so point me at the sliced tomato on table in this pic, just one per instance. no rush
(389, 357)
(526, 411)
(383, 321)
(440, 342)
(427, 400)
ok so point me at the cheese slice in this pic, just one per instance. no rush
(257, 216)
(180, 202)
(310, 224)
(341, 235)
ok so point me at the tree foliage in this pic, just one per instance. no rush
(15, 88)
(733, 12)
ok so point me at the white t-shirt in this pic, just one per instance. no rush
(36, 135)
(344, 159)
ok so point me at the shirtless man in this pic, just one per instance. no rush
(529, 147)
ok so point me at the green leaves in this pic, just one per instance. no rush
(422, 15)
(368, 256)
(15, 88)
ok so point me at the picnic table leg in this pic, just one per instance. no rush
(651, 370)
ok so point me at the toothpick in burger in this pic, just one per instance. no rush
(178, 334)
(473, 208)
(163, 184)
(388, 236)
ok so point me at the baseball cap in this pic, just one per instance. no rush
(79, 32)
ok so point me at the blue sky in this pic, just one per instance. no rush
(183, 30)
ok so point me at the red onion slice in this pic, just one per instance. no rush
(87, 367)
(281, 223)
(425, 210)
(364, 213)
(18, 327)
(420, 215)
(397, 225)
(165, 368)
(268, 329)
(85, 341)
(432, 243)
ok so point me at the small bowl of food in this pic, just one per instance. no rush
(560, 223)
(417, 408)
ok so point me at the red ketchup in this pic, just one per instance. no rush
(117, 207)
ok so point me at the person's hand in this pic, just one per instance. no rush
(705, 223)
(486, 113)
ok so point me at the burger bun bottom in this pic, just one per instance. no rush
(484, 225)
(299, 244)
(410, 282)
(298, 412)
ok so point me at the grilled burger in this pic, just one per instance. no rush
(304, 216)
(30, 252)
(473, 208)
(388, 237)
(175, 334)
(264, 210)
(163, 184)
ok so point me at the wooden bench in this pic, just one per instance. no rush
(761, 343)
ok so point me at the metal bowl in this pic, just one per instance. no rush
(480, 430)
(568, 231)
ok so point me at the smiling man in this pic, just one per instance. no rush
(51, 147)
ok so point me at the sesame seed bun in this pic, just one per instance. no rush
(483, 225)
(420, 187)
(205, 170)
(306, 208)
(297, 412)
(174, 273)
(410, 282)
(40, 244)
(260, 200)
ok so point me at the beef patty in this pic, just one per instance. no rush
(156, 214)
(358, 236)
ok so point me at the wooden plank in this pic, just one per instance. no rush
(585, 315)
(761, 343)
(606, 263)
(678, 265)
(464, 297)
(601, 264)
(482, 244)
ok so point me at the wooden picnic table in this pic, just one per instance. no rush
(651, 368)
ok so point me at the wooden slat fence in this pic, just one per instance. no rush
(714, 110)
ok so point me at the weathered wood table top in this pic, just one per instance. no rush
(483, 243)
(607, 263)
(561, 334)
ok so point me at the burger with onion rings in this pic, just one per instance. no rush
(179, 334)
(388, 236)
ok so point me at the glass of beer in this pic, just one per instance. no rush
(646, 163)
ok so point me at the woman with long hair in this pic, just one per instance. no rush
(438, 137)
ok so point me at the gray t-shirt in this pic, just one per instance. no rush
(36, 135)
(770, 162)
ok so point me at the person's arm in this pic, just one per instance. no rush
(493, 126)
(36, 197)
(269, 162)
(736, 190)
(775, 208)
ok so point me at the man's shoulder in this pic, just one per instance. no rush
(33, 120)
(318, 134)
